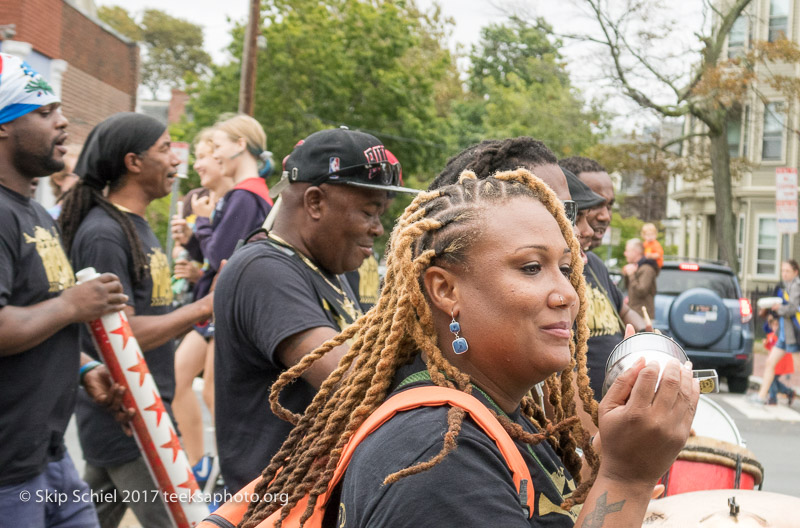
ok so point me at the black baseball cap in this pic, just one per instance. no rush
(581, 193)
(345, 157)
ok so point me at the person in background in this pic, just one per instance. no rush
(652, 247)
(63, 180)
(640, 275)
(41, 308)
(785, 364)
(787, 326)
(129, 155)
(195, 354)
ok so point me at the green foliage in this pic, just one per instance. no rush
(519, 86)
(174, 46)
(384, 67)
(516, 47)
(157, 216)
(121, 21)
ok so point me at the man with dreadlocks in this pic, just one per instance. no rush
(280, 298)
(128, 154)
(40, 362)
(492, 266)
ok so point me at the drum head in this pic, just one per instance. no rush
(712, 421)
(712, 509)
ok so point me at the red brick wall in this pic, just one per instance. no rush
(86, 101)
(177, 105)
(91, 49)
(103, 73)
(37, 22)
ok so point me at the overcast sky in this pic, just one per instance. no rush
(217, 17)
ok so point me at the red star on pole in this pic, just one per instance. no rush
(173, 444)
(157, 407)
(124, 331)
(141, 368)
(190, 484)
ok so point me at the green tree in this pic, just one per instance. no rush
(121, 21)
(174, 54)
(378, 66)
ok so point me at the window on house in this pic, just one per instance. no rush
(734, 135)
(737, 37)
(772, 145)
(778, 19)
(767, 248)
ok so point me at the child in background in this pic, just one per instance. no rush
(784, 366)
(652, 248)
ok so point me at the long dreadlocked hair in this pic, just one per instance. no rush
(438, 226)
(494, 155)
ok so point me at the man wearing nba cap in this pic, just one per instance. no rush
(40, 362)
(280, 298)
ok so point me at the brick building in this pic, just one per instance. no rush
(95, 70)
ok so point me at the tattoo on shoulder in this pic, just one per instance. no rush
(596, 518)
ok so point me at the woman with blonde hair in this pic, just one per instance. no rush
(483, 286)
(235, 157)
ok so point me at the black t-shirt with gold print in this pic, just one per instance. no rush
(101, 244)
(265, 294)
(37, 386)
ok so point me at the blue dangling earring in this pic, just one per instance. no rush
(459, 343)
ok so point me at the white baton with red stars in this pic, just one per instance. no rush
(152, 426)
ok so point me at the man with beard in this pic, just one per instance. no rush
(40, 362)
(130, 155)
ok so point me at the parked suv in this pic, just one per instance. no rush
(700, 305)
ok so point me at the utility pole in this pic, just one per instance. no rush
(247, 84)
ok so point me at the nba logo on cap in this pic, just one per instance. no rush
(333, 165)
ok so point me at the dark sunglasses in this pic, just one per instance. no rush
(381, 173)
(571, 210)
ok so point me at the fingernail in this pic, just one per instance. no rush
(687, 365)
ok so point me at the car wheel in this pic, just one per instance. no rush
(738, 384)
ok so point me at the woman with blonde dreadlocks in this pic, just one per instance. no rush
(482, 303)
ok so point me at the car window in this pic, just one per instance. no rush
(675, 282)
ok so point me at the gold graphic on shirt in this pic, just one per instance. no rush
(601, 317)
(55, 262)
(546, 507)
(159, 272)
(348, 307)
(369, 282)
(562, 483)
(342, 515)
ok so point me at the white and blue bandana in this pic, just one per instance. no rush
(22, 89)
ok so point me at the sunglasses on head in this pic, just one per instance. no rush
(571, 210)
(381, 173)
